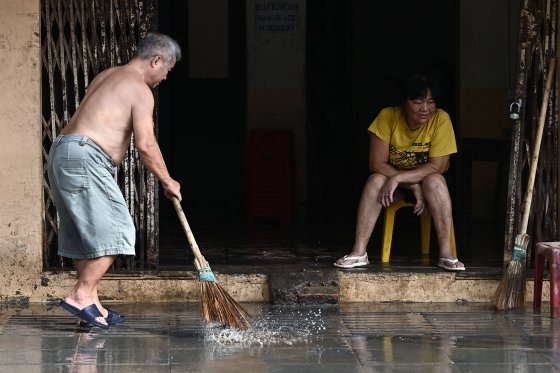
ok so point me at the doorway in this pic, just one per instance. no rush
(358, 54)
(202, 128)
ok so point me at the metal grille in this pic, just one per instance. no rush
(80, 38)
(537, 43)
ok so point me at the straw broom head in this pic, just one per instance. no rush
(510, 293)
(217, 306)
(215, 303)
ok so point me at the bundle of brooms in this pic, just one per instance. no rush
(216, 305)
(510, 293)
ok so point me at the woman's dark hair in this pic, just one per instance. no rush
(417, 86)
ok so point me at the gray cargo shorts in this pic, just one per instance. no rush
(93, 216)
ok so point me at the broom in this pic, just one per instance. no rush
(215, 303)
(510, 293)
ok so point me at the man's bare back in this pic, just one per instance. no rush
(105, 113)
(119, 102)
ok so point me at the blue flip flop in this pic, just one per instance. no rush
(112, 318)
(87, 314)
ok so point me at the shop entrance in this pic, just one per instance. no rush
(357, 53)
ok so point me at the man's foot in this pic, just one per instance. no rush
(89, 314)
(112, 318)
(349, 261)
(451, 264)
(72, 302)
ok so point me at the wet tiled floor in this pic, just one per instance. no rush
(170, 337)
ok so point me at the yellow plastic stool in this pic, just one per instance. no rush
(425, 227)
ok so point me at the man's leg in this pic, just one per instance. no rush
(437, 196)
(95, 297)
(89, 273)
(368, 212)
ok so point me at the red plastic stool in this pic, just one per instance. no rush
(270, 175)
(547, 251)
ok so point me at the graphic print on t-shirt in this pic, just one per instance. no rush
(407, 160)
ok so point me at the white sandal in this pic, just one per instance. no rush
(447, 264)
(360, 261)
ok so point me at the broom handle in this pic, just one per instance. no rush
(199, 259)
(537, 147)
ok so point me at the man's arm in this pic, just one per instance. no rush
(146, 144)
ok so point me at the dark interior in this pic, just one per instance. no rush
(357, 54)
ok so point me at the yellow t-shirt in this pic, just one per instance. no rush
(409, 149)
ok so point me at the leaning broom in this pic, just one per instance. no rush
(217, 306)
(510, 293)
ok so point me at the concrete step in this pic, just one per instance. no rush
(318, 285)
(318, 294)
(305, 286)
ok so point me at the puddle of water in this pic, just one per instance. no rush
(278, 327)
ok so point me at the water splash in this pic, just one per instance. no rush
(279, 327)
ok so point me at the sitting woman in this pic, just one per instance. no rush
(410, 147)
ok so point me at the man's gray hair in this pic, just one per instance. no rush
(156, 44)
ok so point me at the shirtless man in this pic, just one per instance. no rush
(94, 222)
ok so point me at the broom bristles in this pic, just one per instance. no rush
(218, 306)
(510, 293)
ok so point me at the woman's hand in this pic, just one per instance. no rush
(420, 203)
(386, 192)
